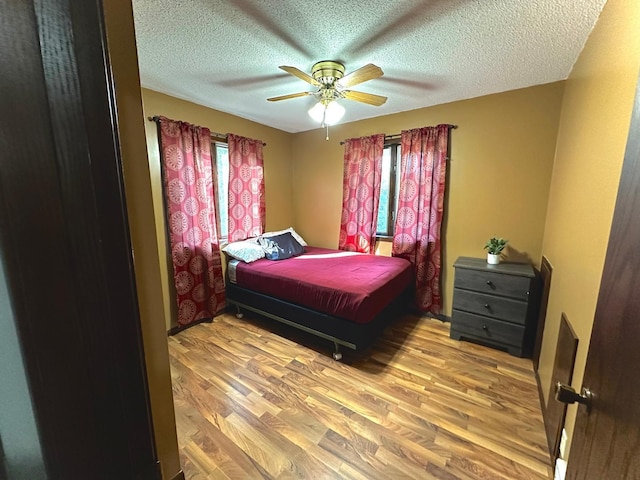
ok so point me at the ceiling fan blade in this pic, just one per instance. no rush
(300, 74)
(291, 95)
(363, 74)
(363, 97)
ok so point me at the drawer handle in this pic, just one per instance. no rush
(490, 283)
(484, 327)
(487, 306)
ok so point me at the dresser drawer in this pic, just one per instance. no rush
(493, 283)
(508, 334)
(501, 308)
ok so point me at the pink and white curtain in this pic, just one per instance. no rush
(423, 168)
(361, 193)
(190, 203)
(246, 188)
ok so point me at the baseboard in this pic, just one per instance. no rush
(439, 316)
(175, 330)
(413, 310)
(179, 476)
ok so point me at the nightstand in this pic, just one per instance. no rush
(495, 304)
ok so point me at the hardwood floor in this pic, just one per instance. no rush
(251, 404)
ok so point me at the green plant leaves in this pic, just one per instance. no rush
(495, 245)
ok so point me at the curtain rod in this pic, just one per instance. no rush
(213, 134)
(398, 135)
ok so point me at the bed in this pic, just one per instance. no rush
(345, 297)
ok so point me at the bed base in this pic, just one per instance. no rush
(356, 336)
(336, 341)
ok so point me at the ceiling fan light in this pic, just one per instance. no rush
(327, 115)
(317, 112)
(334, 113)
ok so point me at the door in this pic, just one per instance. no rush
(65, 254)
(606, 440)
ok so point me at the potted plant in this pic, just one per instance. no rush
(494, 247)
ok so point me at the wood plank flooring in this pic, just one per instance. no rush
(256, 400)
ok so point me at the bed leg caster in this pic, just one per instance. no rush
(337, 355)
(239, 314)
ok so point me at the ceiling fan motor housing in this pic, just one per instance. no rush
(327, 72)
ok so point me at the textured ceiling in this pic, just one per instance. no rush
(225, 54)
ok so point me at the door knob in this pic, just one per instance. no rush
(566, 394)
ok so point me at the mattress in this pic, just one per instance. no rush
(349, 285)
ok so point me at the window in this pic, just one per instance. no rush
(222, 170)
(389, 189)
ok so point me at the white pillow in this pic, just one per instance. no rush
(246, 251)
(294, 234)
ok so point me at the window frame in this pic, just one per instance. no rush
(394, 171)
(215, 142)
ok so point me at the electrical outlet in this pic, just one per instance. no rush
(563, 444)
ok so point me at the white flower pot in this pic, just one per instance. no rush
(493, 259)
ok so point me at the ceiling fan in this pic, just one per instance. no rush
(332, 84)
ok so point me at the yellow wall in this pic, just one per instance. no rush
(124, 63)
(499, 173)
(594, 124)
(277, 171)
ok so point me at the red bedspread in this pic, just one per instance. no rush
(349, 285)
